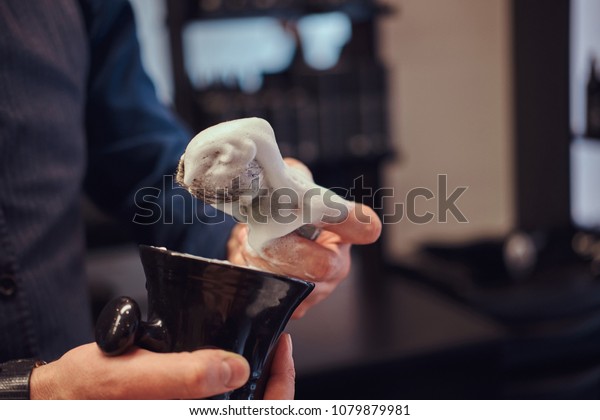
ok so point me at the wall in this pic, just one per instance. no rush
(450, 114)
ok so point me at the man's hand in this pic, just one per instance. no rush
(86, 373)
(325, 261)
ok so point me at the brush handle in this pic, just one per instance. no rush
(120, 326)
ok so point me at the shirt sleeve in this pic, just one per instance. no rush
(135, 142)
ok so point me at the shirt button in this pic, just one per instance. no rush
(8, 287)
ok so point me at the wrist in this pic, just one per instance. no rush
(40, 387)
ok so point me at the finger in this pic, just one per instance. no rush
(198, 374)
(362, 226)
(296, 164)
(292, 255)
(235, 245)
(283, 374)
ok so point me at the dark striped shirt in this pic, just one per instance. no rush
(77, 113)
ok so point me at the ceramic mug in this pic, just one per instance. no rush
(196, 303)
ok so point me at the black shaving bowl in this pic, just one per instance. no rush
(196, 303)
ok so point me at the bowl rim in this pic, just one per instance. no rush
(184, 255)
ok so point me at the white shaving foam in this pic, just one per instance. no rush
(223, 152)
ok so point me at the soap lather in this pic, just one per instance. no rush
(237, 167)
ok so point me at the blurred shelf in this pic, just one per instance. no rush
(333, 115)
(287, 9)
(317, 117)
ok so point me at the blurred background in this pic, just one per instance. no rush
(493, 106)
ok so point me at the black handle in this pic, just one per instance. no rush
(120, 326)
